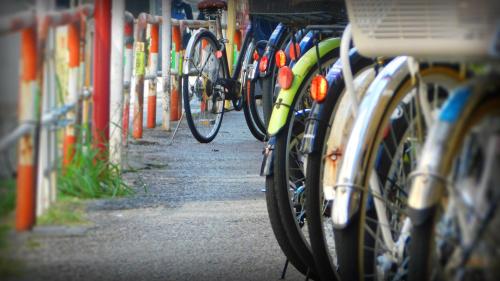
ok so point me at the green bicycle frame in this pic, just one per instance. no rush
(300, 71)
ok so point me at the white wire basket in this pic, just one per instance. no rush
(441, 29)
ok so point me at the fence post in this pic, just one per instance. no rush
(166, 38)
(28, 105)
(45, 179)
(127, 73)
(137, 86)
(100, 113)
(153, 69)
(116, 79)
(74, 67)
(175, 56)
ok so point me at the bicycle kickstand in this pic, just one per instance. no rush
(307, 274)
(283, 273)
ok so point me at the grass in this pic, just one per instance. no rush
(7, 196)
(87, 178)
(66, 211)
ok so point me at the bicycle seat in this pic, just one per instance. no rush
(212, 5)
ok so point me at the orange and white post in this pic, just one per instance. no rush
(127, 77)
(137, 85)
(28, 108)
(73, 86)
(174, 91)
(152, 69)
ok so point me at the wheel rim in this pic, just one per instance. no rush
(206, 98)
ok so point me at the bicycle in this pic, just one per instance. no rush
(377, 246)
(206, 80)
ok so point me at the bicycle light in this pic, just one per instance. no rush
(263, 64)
(280, 58)
(285, 77)
(255, 55)
(319, 88)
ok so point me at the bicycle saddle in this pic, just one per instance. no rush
(212, 4)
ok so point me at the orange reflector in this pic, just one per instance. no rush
(255, 55)
(218, 54)
(319, 88)
(280, 58)
(263, 64)
(292, 51)
(285, 77)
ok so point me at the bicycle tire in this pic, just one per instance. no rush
(211, 40)
(314, 192)
(354, 257)
(422, 245)
(278, 182)
(252, 118)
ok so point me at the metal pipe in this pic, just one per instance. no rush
(9, 140)
(116, 79)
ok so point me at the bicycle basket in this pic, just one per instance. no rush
(444, 29)
(300, 12)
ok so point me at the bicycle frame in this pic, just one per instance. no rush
(221, 47)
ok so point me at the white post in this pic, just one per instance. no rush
(48, 90)
(166, 38)
(116, 81)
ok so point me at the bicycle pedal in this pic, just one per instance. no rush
(230, 87)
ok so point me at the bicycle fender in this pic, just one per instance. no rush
(300, 70)
(429, 180)
(194, 37)
(266, 168)
(350, 181)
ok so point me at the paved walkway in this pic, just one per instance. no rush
(199, 214)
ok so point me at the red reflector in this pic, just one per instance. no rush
(263, 64)
(218, 54)
(285, 77)
(319, 88)
(280, 58)
(255, 55)
(292, 51)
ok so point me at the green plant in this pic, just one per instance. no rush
(65, 211)
(7, 196)
(88, 177)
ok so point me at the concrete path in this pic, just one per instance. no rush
(199, 214)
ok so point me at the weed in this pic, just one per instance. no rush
(66, 211)
(87, 177)
(7, 196)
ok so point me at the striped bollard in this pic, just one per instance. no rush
(153, 69)
(175, 66)
(28, 107)
(73, 83)
(127, 77)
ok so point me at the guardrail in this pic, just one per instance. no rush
(111, 56)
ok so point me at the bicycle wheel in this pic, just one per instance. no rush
(456, 236)
(374, 243)
(318, 207)
(252, 96)
(287, 181)
(203, 98)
